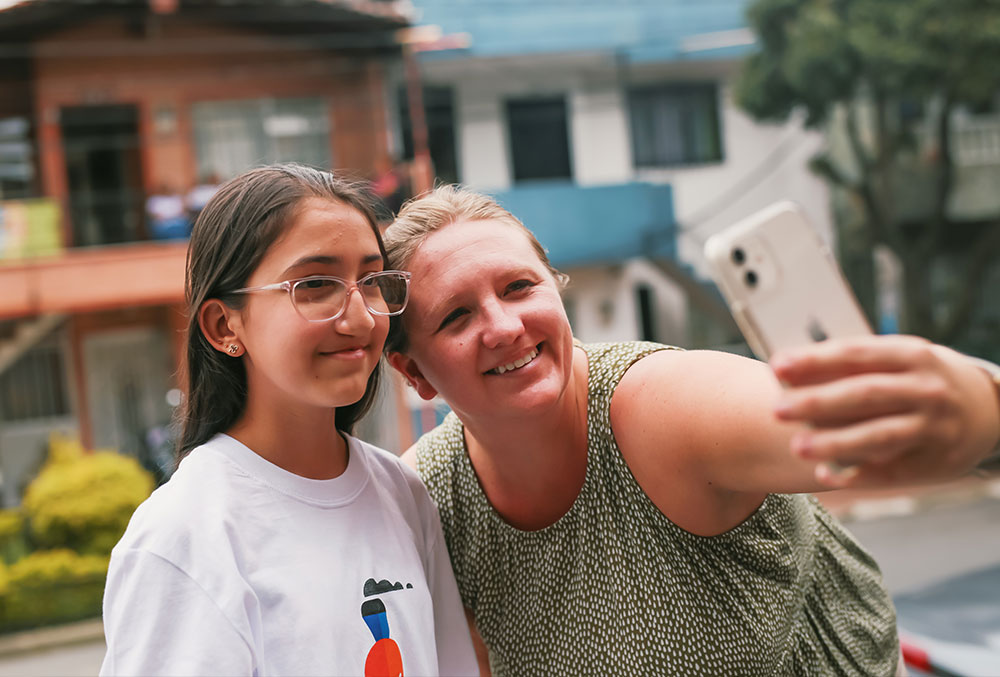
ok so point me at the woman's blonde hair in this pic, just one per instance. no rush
(434, 210)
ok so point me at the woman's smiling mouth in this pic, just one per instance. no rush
(516, 364)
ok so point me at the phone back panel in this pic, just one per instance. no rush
(784, 288)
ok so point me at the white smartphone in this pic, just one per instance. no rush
(781, 282)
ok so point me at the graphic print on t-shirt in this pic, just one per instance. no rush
(384, 659)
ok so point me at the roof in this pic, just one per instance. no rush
(24, 20)
(634, 30)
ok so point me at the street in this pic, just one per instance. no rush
(923, 548)
(914, 551)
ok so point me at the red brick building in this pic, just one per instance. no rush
(103, 104)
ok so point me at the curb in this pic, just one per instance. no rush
(850, 506)
(57, 635)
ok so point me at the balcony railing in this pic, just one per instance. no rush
(977, 143)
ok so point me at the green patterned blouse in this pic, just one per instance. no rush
(615, 588)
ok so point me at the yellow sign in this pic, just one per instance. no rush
(29, 228)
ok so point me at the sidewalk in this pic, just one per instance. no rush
(851, 505)
(57, 635)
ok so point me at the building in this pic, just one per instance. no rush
(104, 104)
(610, 130)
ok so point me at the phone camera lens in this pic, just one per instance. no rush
(739, 256)
(751, 279)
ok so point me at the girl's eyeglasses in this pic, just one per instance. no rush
(321, 298)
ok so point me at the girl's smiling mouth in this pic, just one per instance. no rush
(349, 353)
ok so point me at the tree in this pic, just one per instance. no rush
(853, 66)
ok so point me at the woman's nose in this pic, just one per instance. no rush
(501, 326)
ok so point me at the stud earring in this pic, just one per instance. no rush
(233, 349)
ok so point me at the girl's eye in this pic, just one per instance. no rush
(451, 317)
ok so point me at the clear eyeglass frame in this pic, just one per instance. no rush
(369, 281)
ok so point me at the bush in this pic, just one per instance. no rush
(83, 501)
(12, 545)
(51, 586)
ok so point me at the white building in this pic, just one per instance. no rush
(610, 131)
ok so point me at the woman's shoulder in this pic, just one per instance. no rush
(608, 362)
(440, 451)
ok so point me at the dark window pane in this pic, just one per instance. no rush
(439, 111)
(34, 387)
(539, 139)
(647, 318)
(675, 125)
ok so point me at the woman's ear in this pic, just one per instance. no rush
(412, 374)
(219, 325)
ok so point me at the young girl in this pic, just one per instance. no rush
(282, 545)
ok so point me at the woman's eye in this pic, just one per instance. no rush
(451, 317)
(519, 285)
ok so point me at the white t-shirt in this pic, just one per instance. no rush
(238, 567)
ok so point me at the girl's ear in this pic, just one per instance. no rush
(412, 374)
(220, 324)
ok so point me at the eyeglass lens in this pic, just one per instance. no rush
(322, 298)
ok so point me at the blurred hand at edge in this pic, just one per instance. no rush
(887, 410)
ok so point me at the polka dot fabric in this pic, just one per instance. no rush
(615, 588)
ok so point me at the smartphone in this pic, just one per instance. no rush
(782, 283)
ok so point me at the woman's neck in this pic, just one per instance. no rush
(532, 471)
(302, 441)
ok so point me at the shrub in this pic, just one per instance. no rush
(83, 501)
(12, 545)
(51, 586)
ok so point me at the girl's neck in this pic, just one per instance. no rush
(303, 442)
(532, 471)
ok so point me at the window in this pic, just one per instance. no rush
(675, 125)
(232, 136)
(16, 158)
(439, 113)
(34, 387)
(647, 315)
(539, 138)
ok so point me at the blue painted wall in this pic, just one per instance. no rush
(601, 224)
(638, 30)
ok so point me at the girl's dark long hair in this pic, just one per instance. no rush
(229, 239)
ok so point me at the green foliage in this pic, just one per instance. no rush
(12, 543)
(815, 54)
(51, 586)
(84, 501)
(886, 78)
(11, 525)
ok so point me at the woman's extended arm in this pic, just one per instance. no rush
(708, 434)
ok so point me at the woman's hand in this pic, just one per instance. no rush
(887, 410)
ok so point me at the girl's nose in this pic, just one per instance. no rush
(356, 316)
